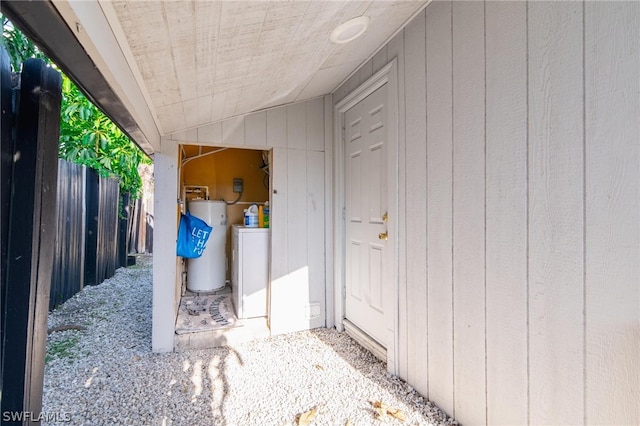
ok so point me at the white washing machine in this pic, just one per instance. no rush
(250, 270)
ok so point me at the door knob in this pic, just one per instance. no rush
(383, 235)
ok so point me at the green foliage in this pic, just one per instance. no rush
(18, 45)
(63, 348)
(87, 136)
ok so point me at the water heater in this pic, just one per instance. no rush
(207, 273)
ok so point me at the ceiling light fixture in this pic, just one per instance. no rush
(350, 30)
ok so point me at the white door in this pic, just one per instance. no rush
(369, 257)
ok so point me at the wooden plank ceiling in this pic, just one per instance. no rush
(199, 62)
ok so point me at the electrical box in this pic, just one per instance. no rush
(195, 192)
(238, 185)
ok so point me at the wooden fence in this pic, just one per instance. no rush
(97, 228)
(63, 227)
(30, 129)
(69, 252)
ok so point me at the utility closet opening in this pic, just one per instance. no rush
(223, 293)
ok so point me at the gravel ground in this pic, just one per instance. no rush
(106, 374)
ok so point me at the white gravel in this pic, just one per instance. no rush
(107, 374)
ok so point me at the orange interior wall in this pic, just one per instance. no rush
(245, 164)
(218, 170)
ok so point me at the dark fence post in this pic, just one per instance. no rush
(140, 228)
(111, 210)
(124, 216)
(137, 227)
(69, 255)
(101, 248)
(149, 224)
(32, 218)
(107, 244)
(6, 165)
(91, 236)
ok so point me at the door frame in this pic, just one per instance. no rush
(387, 75)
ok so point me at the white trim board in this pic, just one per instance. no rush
(387, 75)
(97, 33)
(365, 340)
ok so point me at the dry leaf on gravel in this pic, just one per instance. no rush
(382, 410)
(396, 413)
(307, 417)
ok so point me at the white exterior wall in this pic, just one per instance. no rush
(165, 171)
(298, 210)
(519, 146)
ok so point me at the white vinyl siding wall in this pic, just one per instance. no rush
(519, 160)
